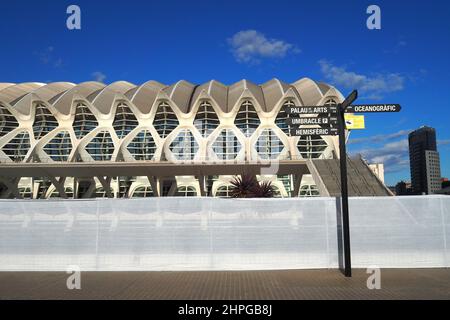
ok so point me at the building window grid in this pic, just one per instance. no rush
(125, 121)
(44, 122)
(101, 147)
(60, 147)
(84, 121)
(224, 191)
(247, 119)
(309, 191)
(143, 192)
(25, 192)
(281, 119)
(165, 120)
(67, 190)
(311, 147)
(269, 145)
(7, 121)
(17, 148)
(227, 145)
(143, 146)
(186, 191)
(206, 120)
(184, 147)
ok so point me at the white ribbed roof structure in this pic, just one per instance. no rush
(183, 94)
(122, 121)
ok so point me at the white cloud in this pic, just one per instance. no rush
(394, 155)
(381, 137)
(372, 87)
(98, 76)
(249, 46)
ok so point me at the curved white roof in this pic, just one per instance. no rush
(183, 94)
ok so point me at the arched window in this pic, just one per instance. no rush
(184, 147)
(59, 147)
(142, 147)
(84, 121)
(282, 117)
(7, 121)
(206, 120)
(101, 147)
(125, 121)
(269, 145)
(186, 191)
(224, 191)
(227, 145)
(247, 119)
(44, 122)
(165, 120)
(17, 148)
(143, 192)
(311, 147)
(309, 191)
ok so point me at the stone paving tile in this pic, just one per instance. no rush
(242, 285)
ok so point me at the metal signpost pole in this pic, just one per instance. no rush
(344, 185)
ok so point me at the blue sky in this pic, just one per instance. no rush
(405, 62)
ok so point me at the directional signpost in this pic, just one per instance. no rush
(330, 120)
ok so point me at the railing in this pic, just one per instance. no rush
(221, 234)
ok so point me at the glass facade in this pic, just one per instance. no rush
(206, 119)
(227, 145)
(17, 148)
(247, 119)
(101, 147)
(60, 147)
(44, 122)
(7, 121)
(282, 117)
(84, 121)
(125, 121)
(143, 146)
(165, 120)
(311, 147)
(184, 147)
(269, 145)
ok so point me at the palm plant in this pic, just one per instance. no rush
(246, 186)
(243, 186)
(263, 190)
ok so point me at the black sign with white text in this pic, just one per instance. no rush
(366, 108)
(308, 121)
(314, 132)
(311, 110)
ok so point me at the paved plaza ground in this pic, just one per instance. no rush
(286, 285)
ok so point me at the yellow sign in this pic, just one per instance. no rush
(354, 122)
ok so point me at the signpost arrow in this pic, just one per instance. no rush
(312, 110)
(332, 121)
(314, 132)
(312, 121)
(372, 108)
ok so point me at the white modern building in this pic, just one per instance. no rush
(125, 140)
